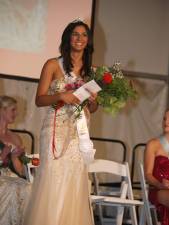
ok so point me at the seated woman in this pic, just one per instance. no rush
(156, 162)
(14, 190)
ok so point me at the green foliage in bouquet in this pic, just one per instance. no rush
(25, 159)
(2, 145)
(116, 89)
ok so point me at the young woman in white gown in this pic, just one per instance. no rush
(14, 190)
(60, 193)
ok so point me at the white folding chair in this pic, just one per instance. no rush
(126, 195)
(30, 168)
(149, 209)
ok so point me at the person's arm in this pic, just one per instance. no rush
(15, 154)
(92, 103)
(92, 106)
(42, 98)
(149, 158)
(17, 164)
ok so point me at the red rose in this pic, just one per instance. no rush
(107, 78)
(69, 86)
(35, 161)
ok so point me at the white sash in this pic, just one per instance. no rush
(164, 142)
(85, 144)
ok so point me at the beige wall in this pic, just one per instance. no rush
(134, 32)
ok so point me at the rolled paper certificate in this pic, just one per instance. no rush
(13, 147)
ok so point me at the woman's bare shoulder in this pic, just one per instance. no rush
(52, 62)
(153, 144)
(153, 141)
(50, 70)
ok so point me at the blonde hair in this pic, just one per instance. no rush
(6, 101)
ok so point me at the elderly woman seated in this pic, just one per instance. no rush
(14, 189)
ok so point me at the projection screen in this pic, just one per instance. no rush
(30, 32)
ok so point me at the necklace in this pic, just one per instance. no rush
(164, 142)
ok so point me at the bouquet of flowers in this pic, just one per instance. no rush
(116, 89)
(8, 162)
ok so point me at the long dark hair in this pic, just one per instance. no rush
(65, 49)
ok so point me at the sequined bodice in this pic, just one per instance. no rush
(161, 168)
(160, 172)
(61, 85)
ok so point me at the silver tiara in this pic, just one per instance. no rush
(77, 20)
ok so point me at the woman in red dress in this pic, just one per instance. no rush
(157, 171)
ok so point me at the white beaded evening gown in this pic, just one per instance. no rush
(60, 193)
(14, 194)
